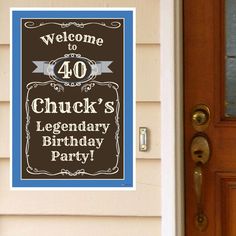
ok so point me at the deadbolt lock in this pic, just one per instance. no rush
(200, 117)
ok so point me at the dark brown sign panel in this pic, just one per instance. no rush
(72, 99)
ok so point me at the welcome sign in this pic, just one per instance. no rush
(72, 98)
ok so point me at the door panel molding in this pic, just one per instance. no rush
(225, 213)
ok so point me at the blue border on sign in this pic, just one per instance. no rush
(128, 181)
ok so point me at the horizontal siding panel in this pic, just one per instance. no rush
(5, 73)
(145, 201)
(148, 115)
(148, 60)
(143, 118)
(148, 73)
(4, 129)
(73, 225)
(148, 22)
(147, 18)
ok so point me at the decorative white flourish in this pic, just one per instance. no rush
(115, 86)
(59, 88)
(33, 25)
(35, 171)
(87, 87)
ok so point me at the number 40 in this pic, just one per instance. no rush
(79, 70)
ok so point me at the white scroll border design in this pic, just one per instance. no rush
(33, 25)
(59, 88)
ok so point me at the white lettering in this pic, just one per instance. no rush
(64, 37)
(34, 105)
(48, 38)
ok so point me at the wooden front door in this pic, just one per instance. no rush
(210, 82)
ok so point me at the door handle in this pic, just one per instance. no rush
(197, 176)
(200, 151)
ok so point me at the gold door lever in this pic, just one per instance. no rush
(200, 152)
(198, 183)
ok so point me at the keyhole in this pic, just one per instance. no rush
(200, 117)
(200, 120)
(198, 153)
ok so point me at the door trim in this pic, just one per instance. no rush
(172, 177)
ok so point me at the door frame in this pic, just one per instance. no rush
(172, 162)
